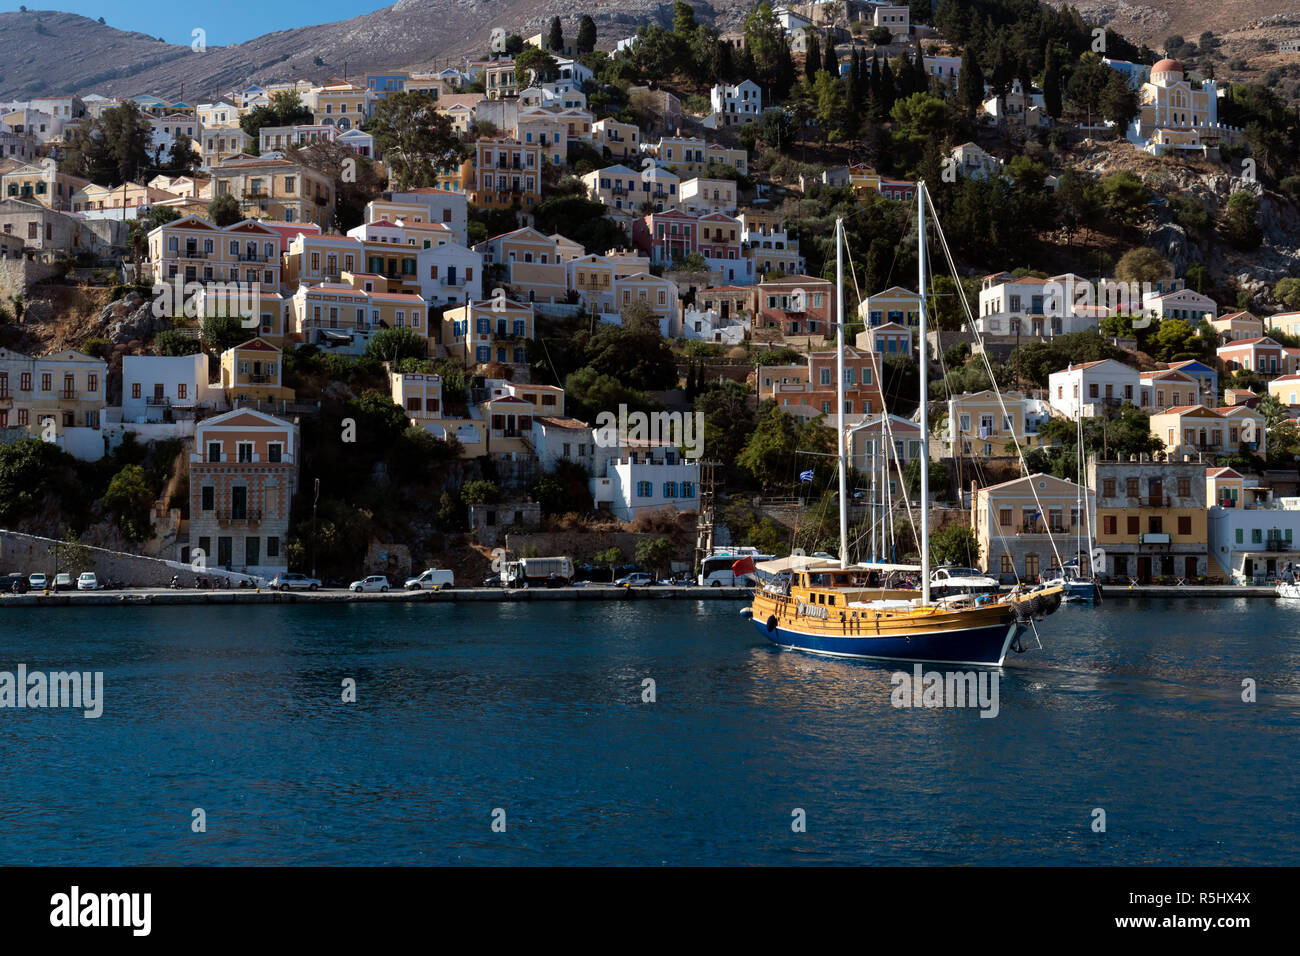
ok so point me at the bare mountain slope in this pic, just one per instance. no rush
(47, 53)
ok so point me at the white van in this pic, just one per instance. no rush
(432, 578)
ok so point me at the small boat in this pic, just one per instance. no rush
(949, 581)
(1287, 589)
(1078, 588)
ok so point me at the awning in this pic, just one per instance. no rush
(341, 337)
(872, 566)
(799, 561)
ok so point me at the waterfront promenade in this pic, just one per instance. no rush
(133, 597)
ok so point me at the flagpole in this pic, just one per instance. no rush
(839, 391)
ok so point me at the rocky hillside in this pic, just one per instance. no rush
(49, 53)
(1212, 184)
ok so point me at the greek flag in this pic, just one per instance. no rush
(1035, 516)
(806, 475)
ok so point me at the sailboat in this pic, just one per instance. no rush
(815, 606)
(1080, 587)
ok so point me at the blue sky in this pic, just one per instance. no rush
(230, 21)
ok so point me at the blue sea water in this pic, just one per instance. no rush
(536, 709)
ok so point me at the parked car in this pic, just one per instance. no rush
(432, 578)
(14, 583)
(63, 581)
(375, 582)
(38, 581)
(87, 581)
(292, 581)
(638, 580)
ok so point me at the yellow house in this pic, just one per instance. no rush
(499, 80)
(546, 129)
(66, 387)
(506, 172)
(128, 197)
(623, 140)
(1286, 389)
(531, 263)
(1224, 487)
(47, 186)
(312, 259)
(1151, 519)
(978, 427)
(420, 394)
(658, 293)
(736, 158)
(195, 250)
(268, 317)
(1238, 326)
(358, 303)
(1024, 526)
(339, 104)
(488, 330)
(220, 114)
(1216, 431)
(276, 189)
(220, 144)
(251, 373)
(895, 304)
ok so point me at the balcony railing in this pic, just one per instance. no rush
(260, 379)
(157, 400)
(193, 254)
(254, 257)
(1275, 544)
(68, 394)
(250, 515)
(1040, 529)
(256, 192)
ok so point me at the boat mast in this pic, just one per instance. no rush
(925, 411)
(839, 391)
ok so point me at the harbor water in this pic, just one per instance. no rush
(542, 719)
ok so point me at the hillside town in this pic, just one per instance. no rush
(394, 320)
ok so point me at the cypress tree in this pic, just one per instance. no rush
(812, 56)
(830, 62)
(555, 39)
(1052, 85)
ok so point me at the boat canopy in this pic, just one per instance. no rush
(793, 562)
(874, 566)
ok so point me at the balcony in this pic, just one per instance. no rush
(68, 394)
(1275, 544)
(193, 254)
(254, 257)
(258, 379)
(256, 192)
(246, 516)
(157, 400)
(1040, 529)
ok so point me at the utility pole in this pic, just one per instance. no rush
(314, 499)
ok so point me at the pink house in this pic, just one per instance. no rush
(1262, 356)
